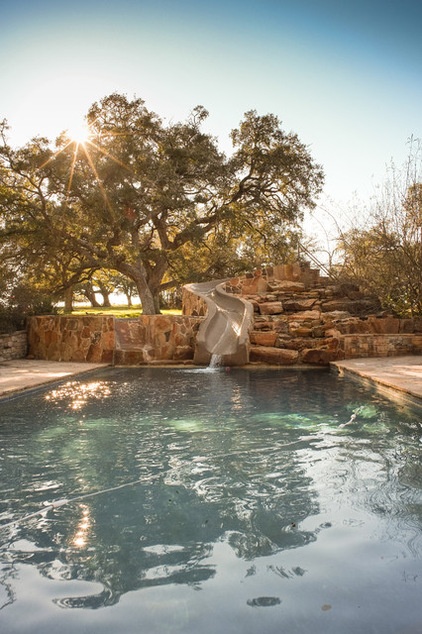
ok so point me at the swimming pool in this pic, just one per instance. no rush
(197, 501)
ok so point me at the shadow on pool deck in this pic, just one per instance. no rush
(403, 374)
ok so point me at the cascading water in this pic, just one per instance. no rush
(216, 361)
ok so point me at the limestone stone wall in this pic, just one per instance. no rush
(70, 338)
(13, 345)
(375, 345)
(152, 338)
(318, 340)
(106, 339)
(295, 324)
(299, 319)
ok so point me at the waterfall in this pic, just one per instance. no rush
(216, 361)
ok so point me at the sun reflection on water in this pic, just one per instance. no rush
(78, 395)
(80, 537)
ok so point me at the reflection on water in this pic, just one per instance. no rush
(266, 491)
(76, 395)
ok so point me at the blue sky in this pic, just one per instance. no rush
(345, 75)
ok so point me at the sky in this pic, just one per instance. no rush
(345, 75)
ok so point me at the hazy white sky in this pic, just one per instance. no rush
(346, 76)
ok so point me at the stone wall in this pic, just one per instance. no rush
(152, 338)
(296, 323)
(375, 345)
(68, 338)
(299, 319)
(13, 345)
(106, 339)
(318, 338)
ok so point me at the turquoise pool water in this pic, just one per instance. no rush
(195, 501)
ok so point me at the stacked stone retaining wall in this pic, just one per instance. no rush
(300, 319)
(68, 338)
(106, 339)
(316, 323)
(13, 345)
(155, 338)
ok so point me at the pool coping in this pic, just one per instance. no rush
(401, 376)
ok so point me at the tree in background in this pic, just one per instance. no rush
(140, 197)
(385, 257)
(124, 285)
(105, 283)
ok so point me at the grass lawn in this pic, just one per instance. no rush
(117, 311)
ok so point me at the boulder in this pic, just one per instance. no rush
(270, 308)
(261, 323)
(384, 325)
(343, 305)
(318, 356)
(300, 331)
(353, 326)
(354, 307)
(287, 286)
(273, 356)
(298, 343)
(305, 315)
(263, 338)
(335, 315)
(295, 305)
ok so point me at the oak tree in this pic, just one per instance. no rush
(141, 194)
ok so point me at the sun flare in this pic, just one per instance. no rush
(79, 133)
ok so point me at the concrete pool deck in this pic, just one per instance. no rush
(403, 374)
(24, 374)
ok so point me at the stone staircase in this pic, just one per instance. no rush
(303, 318)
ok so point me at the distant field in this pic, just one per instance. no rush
(118, 311)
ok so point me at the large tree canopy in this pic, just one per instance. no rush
(140, 197)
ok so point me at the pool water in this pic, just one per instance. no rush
(196, 501)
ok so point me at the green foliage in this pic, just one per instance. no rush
(21, 301)
(385, 258)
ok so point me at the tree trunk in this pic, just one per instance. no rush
(129, 300)
(157, 304)
(137, 273)
(155, 277)
(90, 295)
(68, 299)
(106, 299)
(147, 299)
